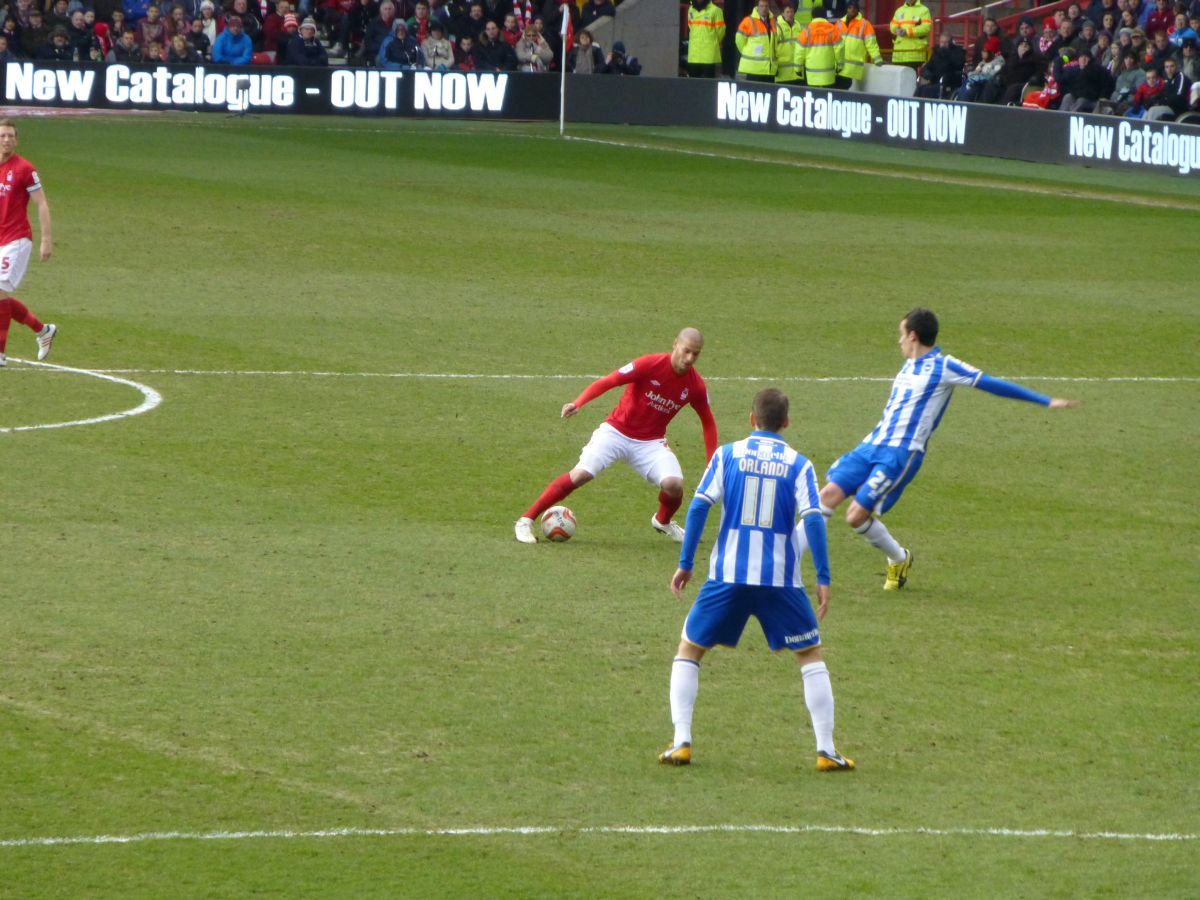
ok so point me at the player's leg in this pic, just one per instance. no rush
(891, 473)
(718, 616)
(600, 452)
(818, 697)
(14, 258)
(659, 465)
(685, 685)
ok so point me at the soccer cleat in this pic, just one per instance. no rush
(45, 338)
(677, 756)
(524, 531)
(671, 530)
(897, 573)
(833, 762)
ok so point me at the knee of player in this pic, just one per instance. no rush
(672, 487)
(857, 516)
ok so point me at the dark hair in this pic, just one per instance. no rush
(770, 409)
(924, 323)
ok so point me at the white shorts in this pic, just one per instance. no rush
(653, 460)
(14, 258)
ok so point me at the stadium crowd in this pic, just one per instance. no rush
(1136, 58)
(464, 35)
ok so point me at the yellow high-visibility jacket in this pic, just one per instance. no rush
(819, 53)
(911, 27)
(757, 43)
(706, 30)
(858, 37)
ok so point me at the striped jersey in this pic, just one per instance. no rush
(763, 485)
(919, 397)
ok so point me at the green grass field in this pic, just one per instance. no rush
(275, 638)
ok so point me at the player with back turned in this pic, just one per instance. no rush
(19, 184)
(657, 387)
(876, 472)
(765, 488)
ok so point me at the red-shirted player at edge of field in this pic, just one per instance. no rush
(18, 183)
(657, 387)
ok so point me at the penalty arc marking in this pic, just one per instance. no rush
(150, 399)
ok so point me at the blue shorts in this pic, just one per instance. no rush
(876, 476)
(721, 611)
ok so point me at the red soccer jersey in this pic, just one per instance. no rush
(653, 395)
(18, 180)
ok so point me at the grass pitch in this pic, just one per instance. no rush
(287, 602)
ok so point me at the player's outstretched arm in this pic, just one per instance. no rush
(568, 410)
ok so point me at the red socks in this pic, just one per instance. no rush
(667, 507)
(555, 491)
(12, 308)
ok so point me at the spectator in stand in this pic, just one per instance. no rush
(1086, 38)
(57, 49)
(1147, 95)
(1182, 30)
(1162, 49)
(251, 24)
(1109, 24)
(11, 33)
(494, 10)
(6, 55)
(273, 38)
(1084, 84)
(1127, 20)
(859, 44)
(552, 14)
(1019, 69)
(182, 53)
(510, 31)
(418, 25)
(438, 51)
(439, 12)
(943, 74)
(379, 29)
(33, 37)
(1139, 45)
(910, 27)
(1076, 17)
(79, 36)
(151, 28)
(176, 21)
(983, 82)
(706, 31)
(533, 52)
(595, 9)
(492, 53)
(474, 23)
(1028, 31)
(1131, 77)
(125, 50)
(1105, 53)
(1062, 39)
(59, 14)
(304, 49)
(586, 57)
(210, 24)
(466, 54)
(232, 47)
(400, 50)
(198, 39)
(1189, 62)
(757, 41)
(1173, 101)
(1047, 97)
(1098, 8)
(991, 29)
(618, 62)
(1160, 18)
(154, 53)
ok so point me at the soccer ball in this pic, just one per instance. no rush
(558, 524)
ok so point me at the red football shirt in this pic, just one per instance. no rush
(654, 393)
(18, 180)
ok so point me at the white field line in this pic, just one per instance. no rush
(534, 830)
(150, 398)
(943, 177)
(583, 376)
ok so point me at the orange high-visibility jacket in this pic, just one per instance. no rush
(757, 42)
(858, 36)
(819, 53)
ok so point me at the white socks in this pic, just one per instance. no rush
(818, 697)
(878, 536)
(685, 684)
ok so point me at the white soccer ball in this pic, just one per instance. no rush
(558, 524)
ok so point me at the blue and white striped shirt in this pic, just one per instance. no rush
(763, 485)
(919, 397)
